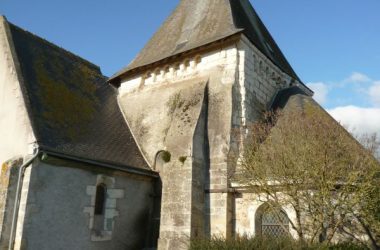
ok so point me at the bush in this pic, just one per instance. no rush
(260, 243)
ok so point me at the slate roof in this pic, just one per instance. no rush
(196, 23)
(72, 109)
(284, 95)
(294, 99)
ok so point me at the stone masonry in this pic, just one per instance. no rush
(240, 84)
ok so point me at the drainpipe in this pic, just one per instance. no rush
(17, 198)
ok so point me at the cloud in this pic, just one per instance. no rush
(374, 93)
(357, 77)
(361, 120)
(320, 91)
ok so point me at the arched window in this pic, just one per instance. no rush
(272, 222)
(100, 199)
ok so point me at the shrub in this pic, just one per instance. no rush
(260, 243)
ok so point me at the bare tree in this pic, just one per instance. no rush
(304, 159)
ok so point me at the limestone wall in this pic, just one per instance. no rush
(185, 109)
(16, 134)
(259, 81)
(8, 185)
(59, 209)
(247, 205)
(235, 84)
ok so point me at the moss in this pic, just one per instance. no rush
(191, 103)
(166, 156)
(62, 88)
(4, 175)
(182, 159)
(174, 102)
(67, 93)
(6, 171)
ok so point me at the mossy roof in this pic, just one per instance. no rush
(281, 99)
(72, 109)
(197, 23)
(294, 99)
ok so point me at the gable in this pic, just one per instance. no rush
(15, 129)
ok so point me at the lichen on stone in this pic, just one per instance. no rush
(174, 102)
(69, 109)
(182, 159)
(166, 156)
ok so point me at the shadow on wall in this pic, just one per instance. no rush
(200, 220)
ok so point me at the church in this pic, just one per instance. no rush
(142, 159)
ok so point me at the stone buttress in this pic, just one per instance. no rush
(188, 97)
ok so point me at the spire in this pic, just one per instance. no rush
(195, 23)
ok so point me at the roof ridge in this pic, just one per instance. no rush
(54, 46)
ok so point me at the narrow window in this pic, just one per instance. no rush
(100, 198)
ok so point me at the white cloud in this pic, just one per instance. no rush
(374, 93)
(357, 77)
(361, 120)
(320, 91)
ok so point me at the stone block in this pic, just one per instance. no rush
(111, 213)
(111, 203)
(115, 193)
(91, 190)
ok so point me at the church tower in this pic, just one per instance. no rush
(209, 71)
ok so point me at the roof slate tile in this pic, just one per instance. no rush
(197, 23)
(71, 107)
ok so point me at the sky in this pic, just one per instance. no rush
(334, 46)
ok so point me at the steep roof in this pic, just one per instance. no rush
(72, 109)
(281, 99)
(294, 100)
(196, 23)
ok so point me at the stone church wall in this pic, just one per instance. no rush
(247, 208)
(240, 85)
(8, 185)
(260, 79)
(60, 209)
(188, 206)
(259, 82)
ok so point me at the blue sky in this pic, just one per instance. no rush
(334, 46)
